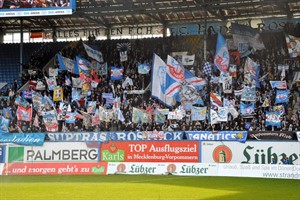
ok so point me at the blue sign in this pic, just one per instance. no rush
(79, 137)
(2, 154)
(239, 136)
(27, 139)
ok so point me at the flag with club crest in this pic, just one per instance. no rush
(282, 96)
(273, 118)
(279, 85)
(53, 72)
(221, 59)
(116, 73)
(123, 56)
(51, 82)
(24, 114)
(50, 121)
(159, 81)
(247, 109)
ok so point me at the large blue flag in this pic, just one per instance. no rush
(221, 59)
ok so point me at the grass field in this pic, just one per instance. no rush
(145, 187)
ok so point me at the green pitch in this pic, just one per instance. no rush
(144, 187)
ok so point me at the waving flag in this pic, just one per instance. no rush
(158, 81)
(247, 109)
(116, 73)
(273, 118)
(92, 53)
(193, 80)
(251, 70)
(282, 96)
(222, 56)
(215, 100)
(67, 64)
(243, 34)
(173, 77)
(24, 114)
(278, 84)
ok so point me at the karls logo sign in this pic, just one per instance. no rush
(150, 151)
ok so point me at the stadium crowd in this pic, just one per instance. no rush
(132, 80)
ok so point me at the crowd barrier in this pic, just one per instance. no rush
(202, 153)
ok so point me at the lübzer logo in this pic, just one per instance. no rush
(121, 167)
(222, 154)
(171, 168)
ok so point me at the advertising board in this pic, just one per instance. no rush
(147, 151)
(36, 8)
(250, 152)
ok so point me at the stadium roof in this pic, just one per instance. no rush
(115, 13)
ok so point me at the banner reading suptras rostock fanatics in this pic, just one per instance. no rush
(114, 136)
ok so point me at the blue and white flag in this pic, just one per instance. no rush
(66, 64)
(198, 113)
(221, 59)
(193, 80)
(223, 114)
(143, 68)
(247, 109)
(116, 73)
(174, 76)
(282, 96)
(158, 81)
(92, 53)
(279, 85)
(273, 118)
